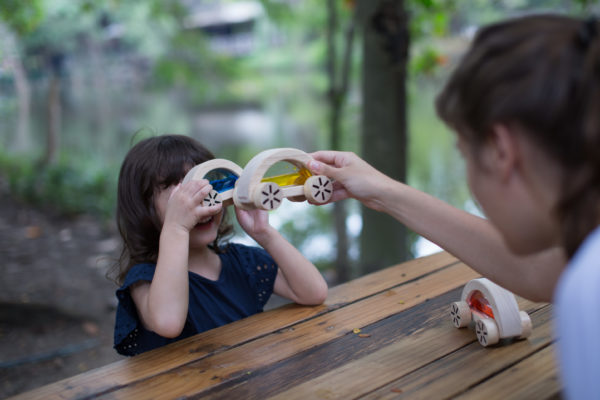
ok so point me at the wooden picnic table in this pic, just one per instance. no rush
(407, 347)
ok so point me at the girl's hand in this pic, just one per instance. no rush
(184, 204)
(254, 222)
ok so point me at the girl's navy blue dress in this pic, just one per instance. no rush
(244, 286)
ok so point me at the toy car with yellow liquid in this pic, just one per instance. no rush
(254, 190)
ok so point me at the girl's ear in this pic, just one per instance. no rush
(504, 151)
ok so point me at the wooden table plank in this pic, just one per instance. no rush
(371, 372)
(319, 360)
(144, 366)
(193, 378)
(409, 350)
(468, 366)
(535, 377)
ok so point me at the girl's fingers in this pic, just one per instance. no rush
(203, 192)
(176, 189)
(197, 189)
(207, 211)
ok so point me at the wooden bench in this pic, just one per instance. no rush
(407, 347)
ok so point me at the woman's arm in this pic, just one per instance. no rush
(297, 279)
(470, 238)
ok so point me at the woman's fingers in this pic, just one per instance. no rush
(332, 157)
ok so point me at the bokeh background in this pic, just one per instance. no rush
(82, 80)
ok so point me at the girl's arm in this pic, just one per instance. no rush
(163, 303)
(470, 238)
(297, 279)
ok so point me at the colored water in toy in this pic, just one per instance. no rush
(478, 302)
(294, 178)
(225, 183)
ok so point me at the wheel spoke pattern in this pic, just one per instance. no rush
(455, 314)
(270, 196)
(318, 188)
(212, 199)
(482, 333)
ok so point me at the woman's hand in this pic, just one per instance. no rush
(353, 177)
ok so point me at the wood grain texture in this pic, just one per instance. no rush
(144, 366)
(450, 375)
(364, 375)
(193, 378)
(387, 334)
(321, 359)
(536, 377)
(199, 171)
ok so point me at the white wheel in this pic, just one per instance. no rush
(318, 189)
(460, 313)
(212, 198)
(268, 196)
(487, 332)
(526, 326)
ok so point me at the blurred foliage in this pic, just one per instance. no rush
(21, 16)
(178, 74)
(61, 188)
(430, 17)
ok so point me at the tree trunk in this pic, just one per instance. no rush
(338, 87)
(54, 120)
(22, 139)
(23, 90)
(383, 240)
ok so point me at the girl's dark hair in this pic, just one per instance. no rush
(151, 165)
(541, 73)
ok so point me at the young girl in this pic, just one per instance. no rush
(525, 104)
(177, 277)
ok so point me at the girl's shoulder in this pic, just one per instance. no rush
(247, 254)
(139, 272)
(254, 261)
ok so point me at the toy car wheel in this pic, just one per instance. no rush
(460, 313)
(526, 326)
(268, 196)
(318, 189)
(212, 199)
(487, 332)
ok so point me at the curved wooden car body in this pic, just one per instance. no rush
(494, 311)
(253, 190)
(224, 187)
(249, 189)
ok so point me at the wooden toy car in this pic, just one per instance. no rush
(222, 175)
(253, 190)
(493, 310)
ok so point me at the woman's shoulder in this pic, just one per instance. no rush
(580, 281)
(586, 261)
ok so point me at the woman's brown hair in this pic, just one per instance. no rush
(541, 73)
(152, 165)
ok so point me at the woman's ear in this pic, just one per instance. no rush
(504, 155)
